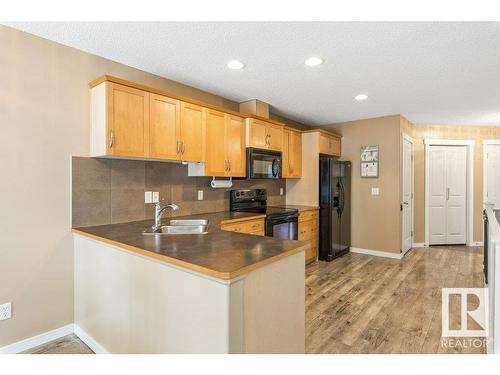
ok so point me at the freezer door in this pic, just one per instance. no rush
(345, 209)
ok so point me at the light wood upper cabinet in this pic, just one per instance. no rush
(257, 134)
(215, 158)
(329, 144)
(265, 135)
(164, 127)
(192, 132)
(127, 123)
(292, 154)
(235, 146)
(225, 146)
(275, 137)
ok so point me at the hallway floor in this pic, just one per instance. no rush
(366, 304)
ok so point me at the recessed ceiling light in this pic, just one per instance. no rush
(361, 97)
(235, 64)
(314, 61)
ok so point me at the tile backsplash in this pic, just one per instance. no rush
(108, 191)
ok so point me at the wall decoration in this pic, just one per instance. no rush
(369, 161)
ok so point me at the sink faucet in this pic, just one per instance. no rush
(159, 211)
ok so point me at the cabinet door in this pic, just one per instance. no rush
(275, 137)
(128, 121)
(286, 161)
(192, 132)
(235, 145)
(164, 127)
(257, 134)
(324, 144)
(296, 154)
(335, 146)
(215, 158)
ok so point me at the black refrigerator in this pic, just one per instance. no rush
(335, 208)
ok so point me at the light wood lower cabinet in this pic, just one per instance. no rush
(252, 226)
(308, 231)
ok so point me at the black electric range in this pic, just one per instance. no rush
(281, 222)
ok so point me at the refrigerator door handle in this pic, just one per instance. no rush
(342, 197)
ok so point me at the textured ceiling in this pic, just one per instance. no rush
(433, 73)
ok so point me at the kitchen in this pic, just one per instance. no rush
(187, 222)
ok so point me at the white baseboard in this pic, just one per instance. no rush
(419, 244)
(477, 243)
(33, 342)
(377, 253)
(89, 341)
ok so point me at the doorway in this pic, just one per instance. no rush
(407, 194)
(491, 184)
(448, 192)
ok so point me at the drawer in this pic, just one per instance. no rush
(308, 230)
(251, 226)
(308, 215)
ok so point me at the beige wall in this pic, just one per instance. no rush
(422, 132)
(375, 222)
(44, 117)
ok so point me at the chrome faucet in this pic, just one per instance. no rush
(159, 211)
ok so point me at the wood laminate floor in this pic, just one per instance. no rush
(365, 304)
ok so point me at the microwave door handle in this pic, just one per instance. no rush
(275, 168)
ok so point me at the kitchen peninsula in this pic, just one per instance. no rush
(220, 292)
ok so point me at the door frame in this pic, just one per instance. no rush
(406, 137)
(469, 144)
(486, 143)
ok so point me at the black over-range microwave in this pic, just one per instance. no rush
(263, 163)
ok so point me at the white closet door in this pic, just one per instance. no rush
(493, 175)
(447, 194)
(407, 196)
(437, 195)
(456, 179)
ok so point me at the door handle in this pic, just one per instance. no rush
(405, 203)
(111, 138)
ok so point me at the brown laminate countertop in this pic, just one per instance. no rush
(218, 253)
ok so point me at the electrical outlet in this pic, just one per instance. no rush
(6, 311)
(156, 196)
(281, 191)
(200, 195)
(375, 191)
(148, 197)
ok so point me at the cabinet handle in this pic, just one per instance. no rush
(230, 167)
(225, 166)
(267, 139)
(183, 147)
(177, 151)
(447, 194)
(111, 138)
(270, 139)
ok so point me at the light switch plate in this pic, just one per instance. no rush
(148, 197)
(281, 191)
(375, 191)
(156, 196)
(200, 195)
(6, 311)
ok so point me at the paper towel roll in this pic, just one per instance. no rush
(221, 184)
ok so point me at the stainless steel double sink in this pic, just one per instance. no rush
(188, 226)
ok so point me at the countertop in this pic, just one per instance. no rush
(301, 208)
(218, 253)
